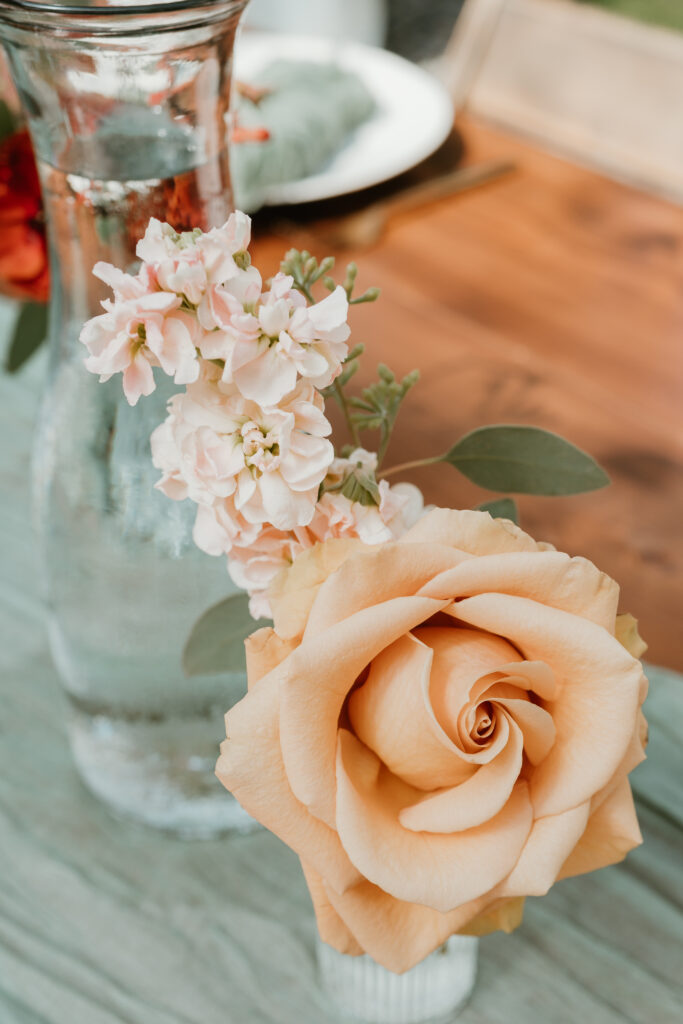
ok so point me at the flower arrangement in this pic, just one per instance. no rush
(247, 438)
(442, 719)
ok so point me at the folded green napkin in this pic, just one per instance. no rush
(310, 110)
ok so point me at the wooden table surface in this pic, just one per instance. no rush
(549, 299)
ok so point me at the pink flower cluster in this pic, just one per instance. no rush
(254, 565)
(243, 463)
(197, 297)
(247, 438)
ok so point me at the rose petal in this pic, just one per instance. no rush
(635, 754)
(389, 715)
(536, 724)
(461, 866)
(473, 754)
(264, 650)
(611, 832)
(252, 731)
(317, 678)
(331, 928)
(548, 846)
(294, 590)
(597, 702)
(470, 531)
(394, 933)
(461, 657)
(370, 577)
(473, 802)
(572, 584)
(531, 675)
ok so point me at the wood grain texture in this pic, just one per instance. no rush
(105, 923)
(553, 297)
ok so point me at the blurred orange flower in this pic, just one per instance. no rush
(24, 270)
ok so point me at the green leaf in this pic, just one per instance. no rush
(525, 460)
(501, 508)
(8, 122)
(216, 643)
(29, 334)
(361, 487)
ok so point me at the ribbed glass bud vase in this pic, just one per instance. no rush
(432, 992)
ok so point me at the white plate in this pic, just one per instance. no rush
(414, 113)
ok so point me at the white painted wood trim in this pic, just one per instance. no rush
(593, 85)
(468, 46)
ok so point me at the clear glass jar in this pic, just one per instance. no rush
(432, 992)
(128, 106)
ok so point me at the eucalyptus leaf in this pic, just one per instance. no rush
(29, 334)
(525, 460)
(501, 508)
(216, 643)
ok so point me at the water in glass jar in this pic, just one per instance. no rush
(124, 580)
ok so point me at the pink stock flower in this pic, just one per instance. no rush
(254, 563)
(215, 444)
(247, 439)
(267, 341)
(193, 264)
(219, 246)
(337, 516)
(359, 458)
(141, 328)
(220, 526)
(229, 304)
(254, 566)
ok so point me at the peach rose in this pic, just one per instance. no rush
(439, 727)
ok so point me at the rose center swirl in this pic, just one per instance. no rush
(446, 708)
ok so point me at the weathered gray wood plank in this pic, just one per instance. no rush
(104, 923)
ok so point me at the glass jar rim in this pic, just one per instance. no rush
(103, 18)
(120, 7)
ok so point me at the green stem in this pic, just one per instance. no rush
(305, 291)
(351, 426)
(415, 464)
(383, 445)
